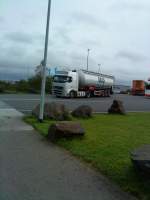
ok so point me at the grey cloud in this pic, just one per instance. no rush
(129, 6)
(131, 56)
(19, 37)
(90, 43)
(16, 51)
(62, 33)
(13, 53)
(1, 19)
(89, 19)
(15, 69)
(11, 65)
(79, 60)
(123, 71)
(11, 76)
(123, 82)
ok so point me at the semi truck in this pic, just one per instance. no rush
(138, 87)
(82, 83)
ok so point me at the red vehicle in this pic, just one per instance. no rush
(138, 87)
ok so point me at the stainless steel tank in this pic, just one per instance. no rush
(87, 78)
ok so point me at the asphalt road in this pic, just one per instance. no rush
(26, 102)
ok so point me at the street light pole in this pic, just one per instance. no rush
(99, 72)
(88, 59)
(99, 68)
(44, 63)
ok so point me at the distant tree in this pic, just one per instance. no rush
(32, 85)
(7, 86)
(22, 86)
(2, 86)
(35, 84)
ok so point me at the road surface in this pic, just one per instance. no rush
(26, 102)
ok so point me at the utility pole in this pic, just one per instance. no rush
(99, 71)
(88, 52)
(44, 63)
(99, 68)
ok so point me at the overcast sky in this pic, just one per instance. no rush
(116, 31)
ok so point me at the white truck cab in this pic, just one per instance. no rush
(65, 83)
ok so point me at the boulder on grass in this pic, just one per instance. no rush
(83, 111)
(65, 129)
(117, 108)
(52, 111)
(141, 160)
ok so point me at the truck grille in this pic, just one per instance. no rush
(57, 90)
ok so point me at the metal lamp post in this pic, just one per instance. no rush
(99, 68)
(44, 63)
(88, 59)
(99, 71)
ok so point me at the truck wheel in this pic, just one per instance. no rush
(88, 94)
(72, 94)
(111, 91)
(108, 93)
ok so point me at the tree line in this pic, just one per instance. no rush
(31, 85)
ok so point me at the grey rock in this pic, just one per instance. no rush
(83, 111)
(141, 160)
(52, 110)
(65, 129)
(116, 108)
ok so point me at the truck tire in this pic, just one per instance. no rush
(108, 93)
(73, 94)
(88, 94)
(111, 91)
(104, 93)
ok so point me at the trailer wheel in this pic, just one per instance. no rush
(88, 94)
(111, 91)
(72, 94)
(108, 93)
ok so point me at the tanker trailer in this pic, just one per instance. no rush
(82, 83)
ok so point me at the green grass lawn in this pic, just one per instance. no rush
(107, 144)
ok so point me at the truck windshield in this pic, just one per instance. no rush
(62, 79)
